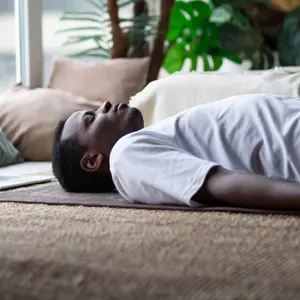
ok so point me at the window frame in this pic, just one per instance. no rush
(29, 43)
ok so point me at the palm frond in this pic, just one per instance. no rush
(86, 53)
(80, 13)
(94, 26)
(76, 29)
(79, 18)
(98, 4)
(123, 3)
(77, 39)
(141, 19)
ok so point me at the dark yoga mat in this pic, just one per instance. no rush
(52, 193)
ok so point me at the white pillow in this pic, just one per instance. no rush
(166, 97)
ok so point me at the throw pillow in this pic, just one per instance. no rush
(113, 80)
(29, 118)
(8, 153)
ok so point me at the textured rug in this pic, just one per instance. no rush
(75, 253)
(53, 194)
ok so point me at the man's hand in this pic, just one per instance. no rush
(251, 191)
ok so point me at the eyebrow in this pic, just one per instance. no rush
(77, 122)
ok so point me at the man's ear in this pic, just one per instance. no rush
(91, 162)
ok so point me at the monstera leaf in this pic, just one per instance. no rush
(191, 35)
(186, 18)
(214, 30)
(289, 41)
(195, 32)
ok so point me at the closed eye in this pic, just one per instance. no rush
(88, 118)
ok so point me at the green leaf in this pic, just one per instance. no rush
(185, 16)
(81, 13)
(178, 16)
(269, 59)
(77, 39)
(175, 59)
(100, 4)
(78, 18)
(226, 13)
(206, 65)
(123, 3)
(240, 20)
(80, 55)
(144, 19)
(100, 52)
(194, 63)
(231, 56)
(139, 27)
(102, 20)
(239, 40)
(75, 29)
(222, 14)
(217, 61)
(289, 40)
(209, 38)
(147, 32)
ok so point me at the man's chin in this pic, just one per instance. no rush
(137, 118)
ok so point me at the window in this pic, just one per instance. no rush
(33, 32)
(52, 41)
(7, 45)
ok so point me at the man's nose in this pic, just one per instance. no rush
(105, 107)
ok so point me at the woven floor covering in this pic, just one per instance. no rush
(73, 252)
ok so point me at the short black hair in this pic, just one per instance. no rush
(66, 157)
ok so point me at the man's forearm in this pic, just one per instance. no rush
(252, 191)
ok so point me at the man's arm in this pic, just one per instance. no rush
(251, 191)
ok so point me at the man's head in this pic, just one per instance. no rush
(83, 143)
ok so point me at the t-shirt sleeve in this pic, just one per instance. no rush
(152, 172)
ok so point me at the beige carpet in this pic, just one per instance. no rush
(63, 252)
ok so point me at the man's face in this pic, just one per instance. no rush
(99, 130)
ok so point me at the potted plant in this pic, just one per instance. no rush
(117, 37)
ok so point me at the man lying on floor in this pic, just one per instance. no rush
(242, 151)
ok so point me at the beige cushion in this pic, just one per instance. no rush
(29, 118)
(108, 80)
(166, 97)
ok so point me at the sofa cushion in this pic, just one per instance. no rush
(29, 118)
(166, 97)
(113, 80)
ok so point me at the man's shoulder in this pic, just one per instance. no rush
(125, 144)
(131, 145)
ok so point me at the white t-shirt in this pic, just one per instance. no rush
(167, 163)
